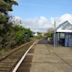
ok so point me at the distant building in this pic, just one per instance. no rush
(35, 34)
(63, 34)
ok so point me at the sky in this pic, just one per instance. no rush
(48, 8)
(32, 10)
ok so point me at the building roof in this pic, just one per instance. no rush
(64, 27)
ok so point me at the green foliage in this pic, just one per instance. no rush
(22, 34)
(14, 35)
(11, 35)
(7, 4)
(3, 18)
(39, 35)
(49, 34)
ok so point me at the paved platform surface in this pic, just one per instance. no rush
(45, 58)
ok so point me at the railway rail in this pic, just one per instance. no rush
(26, 65)
(21, 60)
(8, 63)
(27, 62)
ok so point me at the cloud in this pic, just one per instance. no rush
(63, 18)
(40, 24)
(16, 20)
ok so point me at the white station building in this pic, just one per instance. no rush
(63, 34)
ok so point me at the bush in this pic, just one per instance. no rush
(22, 34)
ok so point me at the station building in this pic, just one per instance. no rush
(63, 34)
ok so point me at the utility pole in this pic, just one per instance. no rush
(54, 34)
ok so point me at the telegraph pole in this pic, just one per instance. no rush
(54, 34)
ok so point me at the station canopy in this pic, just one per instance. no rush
(64, 27)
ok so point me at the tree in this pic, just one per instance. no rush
(11, 34)
(6, 5)
(50, 32)
(6, 31)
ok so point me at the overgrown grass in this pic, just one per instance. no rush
(5, 51)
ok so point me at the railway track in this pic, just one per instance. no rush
(21, 59)
(8, 63)
(26, 65)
